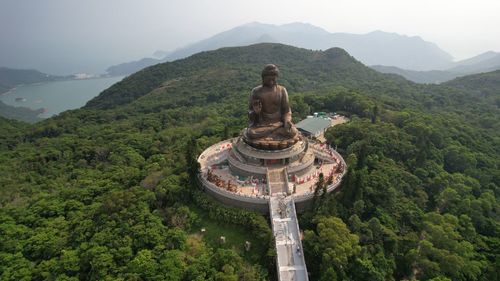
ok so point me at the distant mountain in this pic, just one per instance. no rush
(20, 113)
(131, 67)
(478, 59)
(374, 48)
(160, 54)
(9, 78)
(382, 48)
(428, 77)
(485, 62)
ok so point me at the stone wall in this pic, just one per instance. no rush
(255, 203)
(305, 200)
(260, 203)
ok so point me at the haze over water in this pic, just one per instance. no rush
(58, 96)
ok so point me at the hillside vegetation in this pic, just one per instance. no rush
(106, 192)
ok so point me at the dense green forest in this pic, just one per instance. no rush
(106, 192)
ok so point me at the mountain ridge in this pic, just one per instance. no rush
(416, 51)
(11, 77)
(485, 62)
(488, 61)
(425, 77)
(340, 66)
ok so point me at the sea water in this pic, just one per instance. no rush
(58, 96)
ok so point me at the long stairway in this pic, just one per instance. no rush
(290, 257)
(277, 181)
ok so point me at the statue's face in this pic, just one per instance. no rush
(270, 80)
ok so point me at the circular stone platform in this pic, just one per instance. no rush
(240, 175)
(265, 144)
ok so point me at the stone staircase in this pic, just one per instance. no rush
(277, 181)
(290, 257)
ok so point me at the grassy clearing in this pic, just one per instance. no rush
(235, 237)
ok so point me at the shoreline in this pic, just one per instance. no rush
(11, 90)
(48, 98)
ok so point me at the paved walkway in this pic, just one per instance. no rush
(290, 257)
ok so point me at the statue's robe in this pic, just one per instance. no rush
(275, 112)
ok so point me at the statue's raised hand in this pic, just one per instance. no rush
(257, 106)
(288, 126)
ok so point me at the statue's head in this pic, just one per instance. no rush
(269, 75)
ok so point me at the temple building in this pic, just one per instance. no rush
(314, 126)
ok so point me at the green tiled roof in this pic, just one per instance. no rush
(313, 125)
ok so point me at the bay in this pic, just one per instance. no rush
(58, 96)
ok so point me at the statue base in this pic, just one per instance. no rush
(267, 143)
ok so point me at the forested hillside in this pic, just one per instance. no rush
(106, 192)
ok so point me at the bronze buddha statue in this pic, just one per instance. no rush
(269, 113)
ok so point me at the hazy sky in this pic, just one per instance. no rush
(66, 36)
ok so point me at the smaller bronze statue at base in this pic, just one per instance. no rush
(270, 116)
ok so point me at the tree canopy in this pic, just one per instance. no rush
(106, 193)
